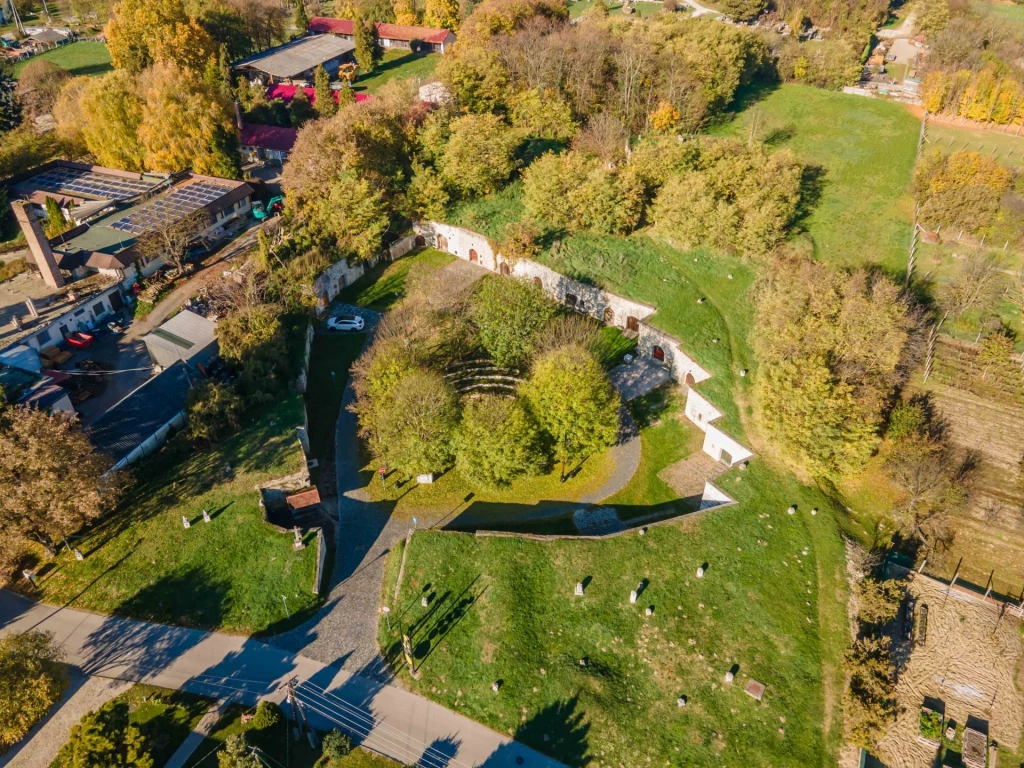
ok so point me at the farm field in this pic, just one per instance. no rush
(164, 717)
(644, 8)
(226, 575)
(503, 610)
(79, 58)
(398, 65)
(1007, 148)
(862, 152)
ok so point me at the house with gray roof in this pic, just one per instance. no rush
(297, 61)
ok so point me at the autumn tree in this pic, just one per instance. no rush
(39, 86)
(542, 115)
(106, 737)
(32, 679)
(879, 600)
(324, 102)
(833, 346)
(140, 32)
(415, 432)
(975, 284)
(443, 14)
(50, 476)
(742, 10)
(405, 13)
(253, 338)
(214, 412)
(170, 238)
(933, 485)
(479, 155)
(186, 124)
(962, 190)
(301, 111)
(110, 111)
(497, 442)
(510, 314)
(573, 402)
(931, 16)
(870, 706)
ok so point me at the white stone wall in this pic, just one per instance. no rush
(714, 496)
(334, 278)
(652, 339)
(721, 447)
(402, 247)
(699, 410)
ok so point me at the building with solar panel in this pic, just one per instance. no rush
(82, 276)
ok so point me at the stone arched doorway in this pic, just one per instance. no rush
(474, 257)
(420, 241)
(609, 316)
(658, 354)
(690, 381)
(505, 269)
(442, 243)
(632, 324)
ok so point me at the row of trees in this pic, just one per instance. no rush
(411, 416)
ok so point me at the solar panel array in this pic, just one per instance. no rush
(91, 184)
(172, 206)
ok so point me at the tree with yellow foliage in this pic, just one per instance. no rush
(665, 118)
(186, 124)
(141, 32)
(405, 13)
(108, 117)
(442, 13)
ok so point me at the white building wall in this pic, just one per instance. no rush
(402, 247)
(699, 410)
(714, 496)
(681, 364)
(333, 279)
(716, 442)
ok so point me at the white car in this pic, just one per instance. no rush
(346, 323)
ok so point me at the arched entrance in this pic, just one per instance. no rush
(609, 316)
(659, 354)
(570, 300)
(474, 256)
(420, 241)
(632, 324)
(690, 381)
(538, 282)
(324, 301)
(505, 269)
(442, 243)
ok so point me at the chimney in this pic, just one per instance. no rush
(239, 122)
(42, 254)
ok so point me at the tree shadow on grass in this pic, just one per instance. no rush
(812, 188)
(559, 730)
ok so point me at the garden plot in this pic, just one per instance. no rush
(969, 662)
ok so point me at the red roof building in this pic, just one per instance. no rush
(271, 137)
(390, 35)
(287, 92)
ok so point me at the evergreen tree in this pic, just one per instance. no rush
(346, 96)
(10, 107)
(301, 17)
(300, 109)
(323, 93)
(599, 8)
(368, 51)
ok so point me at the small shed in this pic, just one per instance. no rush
(186, 337)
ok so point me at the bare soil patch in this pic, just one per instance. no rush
(969, 662)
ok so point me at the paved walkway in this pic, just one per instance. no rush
(44, 741)
(394, 722)
(203, 729)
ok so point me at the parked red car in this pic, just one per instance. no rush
(79, 340)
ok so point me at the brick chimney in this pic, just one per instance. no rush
(42, 254)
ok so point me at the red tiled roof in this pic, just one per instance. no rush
(303, 499)
(268, 137)
(287, 92)
(404, 32)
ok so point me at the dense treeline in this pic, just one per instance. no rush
(974, 65)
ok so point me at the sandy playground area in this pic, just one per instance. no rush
(968, 661)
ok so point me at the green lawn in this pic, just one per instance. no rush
(1007, 148)
(503, 610)
(225, 575)
(384, 285)
(862, 151)
(643, 8)
(81, 58)
(398, 65)
(1011, 13)
(665, 438)
(165, 718)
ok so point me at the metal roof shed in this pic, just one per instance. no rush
(186, 337)
(140, 423)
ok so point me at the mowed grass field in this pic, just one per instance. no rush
(862, 151)
(226, 575)
(80, 58)
(1007, 148)
(398, 65)
(772, 601)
